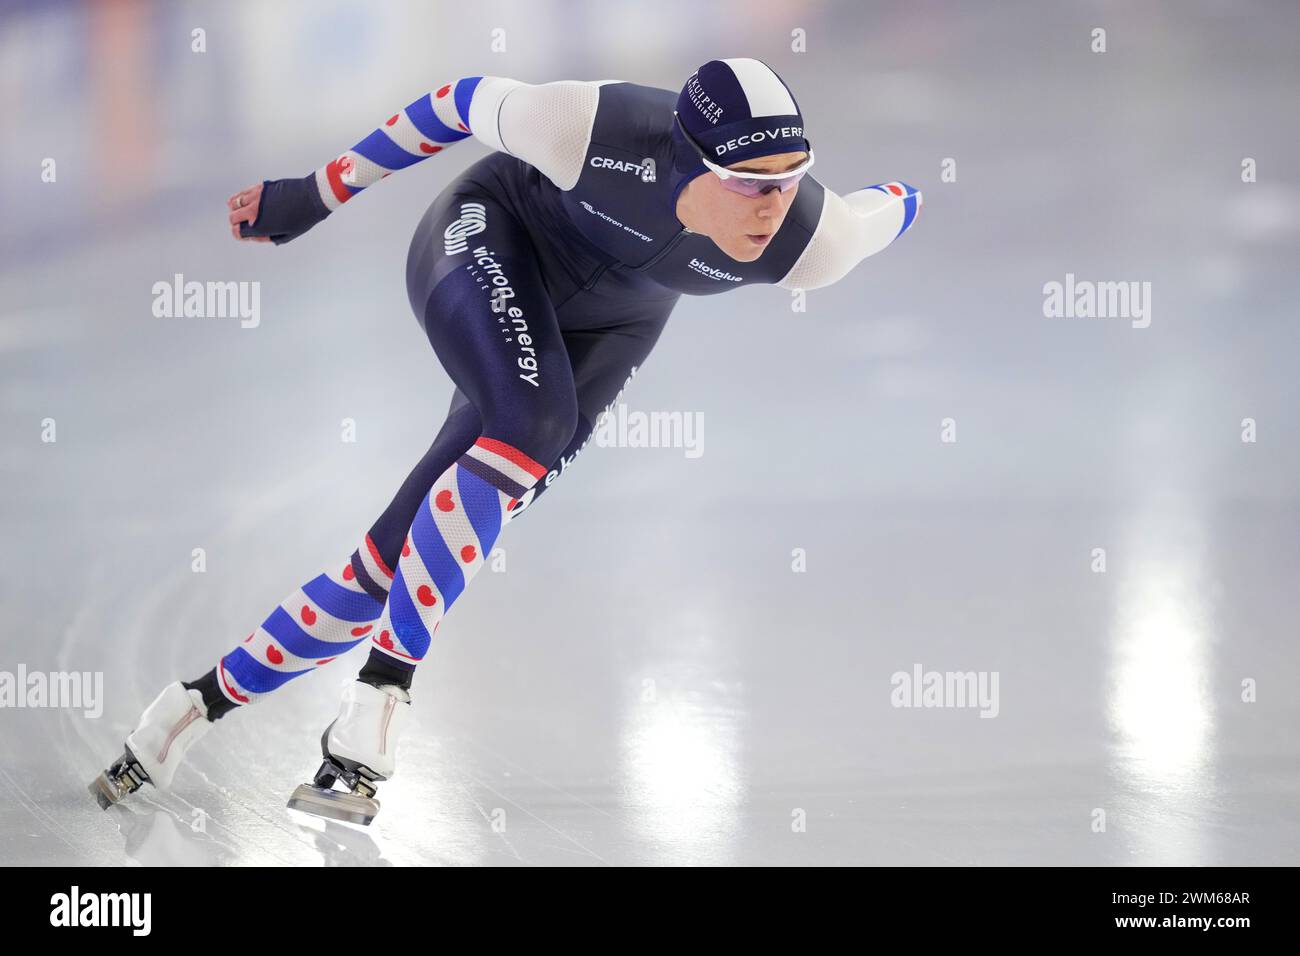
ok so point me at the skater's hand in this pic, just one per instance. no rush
(278, 209)
(243, 208)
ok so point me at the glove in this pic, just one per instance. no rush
(287, 209)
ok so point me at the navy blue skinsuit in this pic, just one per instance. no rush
(592, 275)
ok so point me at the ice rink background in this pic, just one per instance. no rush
(649, 681)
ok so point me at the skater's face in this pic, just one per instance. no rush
(741, 226)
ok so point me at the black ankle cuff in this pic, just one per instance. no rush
(217, 703)
(381, 669)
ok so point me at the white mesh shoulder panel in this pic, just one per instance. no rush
(486, 105)
(548, 125)
(851, 228)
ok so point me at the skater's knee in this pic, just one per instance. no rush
(542, 434)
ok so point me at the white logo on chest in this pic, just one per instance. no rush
(644, 170)
(472, 221)
(722, 275)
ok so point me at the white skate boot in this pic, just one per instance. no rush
(360, 749)
(167, 729)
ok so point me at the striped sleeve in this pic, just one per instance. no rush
(852, 228)
(424, 128)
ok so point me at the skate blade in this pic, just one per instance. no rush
(334, 804)
(105, 793)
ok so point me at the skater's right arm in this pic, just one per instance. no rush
(546, 125)
(853, 227)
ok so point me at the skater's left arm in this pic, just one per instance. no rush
(851, 228)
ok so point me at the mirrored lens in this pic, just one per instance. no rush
(757, 187)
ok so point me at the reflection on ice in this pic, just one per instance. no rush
(1160, 707)
(681, 753)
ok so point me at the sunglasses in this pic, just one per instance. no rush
(748, 184)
